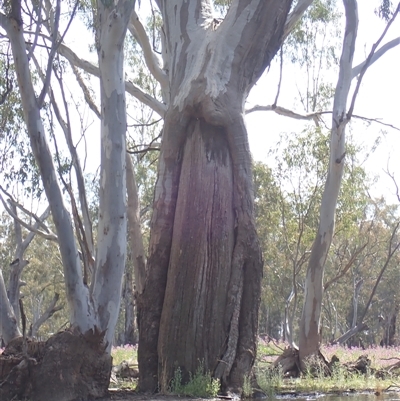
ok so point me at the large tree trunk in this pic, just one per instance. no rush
(309, 339)
(202, 290)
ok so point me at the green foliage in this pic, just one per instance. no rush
(222, 6)
(200, 384)
(125, 353)
(385, 10)
(313, 46)
(270, 380)
(247, 387)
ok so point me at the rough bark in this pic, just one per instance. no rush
(202, 291)
(309, 339)
(69, 366)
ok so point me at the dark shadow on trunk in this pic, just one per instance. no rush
(209, 314)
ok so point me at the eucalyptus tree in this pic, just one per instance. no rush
(341, 115)
(202, 290)
(209, 66)
(95, 306)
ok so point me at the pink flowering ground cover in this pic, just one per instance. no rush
(380, 357)
(124, 353)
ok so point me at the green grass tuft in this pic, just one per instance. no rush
(200, 384)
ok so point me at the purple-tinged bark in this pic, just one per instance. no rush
(202, 290)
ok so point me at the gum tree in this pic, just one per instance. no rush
(309, 339)
(93, 307)
(202, 290)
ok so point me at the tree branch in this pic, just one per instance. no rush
(47, 314)
(295, 16)
(133, 90)
(376, 56)
(367, 63)
(138, 32)
(52, 54)
(50, 236)
(342, 272)
(85, 90)
(282, 111)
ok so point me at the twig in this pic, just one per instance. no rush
(368, 62)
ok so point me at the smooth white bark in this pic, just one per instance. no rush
(295, 15)
(111, 238)
(132, 89)
(313, 291)
(153, 63)
(77, 294)
(8, 323)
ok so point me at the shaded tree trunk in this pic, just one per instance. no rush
(128, 295)
(202, 291)
(134, 225)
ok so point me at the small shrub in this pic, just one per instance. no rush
(200, 384)
(270, 380)
(247, 387)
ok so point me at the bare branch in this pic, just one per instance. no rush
(132, 89)
(295, 15)
(346, 268)
(286, 112)
(47, 314)
(50, 236)
(280, 77)
(85, 90)
(37, 31)
(282, 111)
(28, 239)
(367, 62)
(52, 54)
(376, 56)
(394, 182)
(138, 32)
